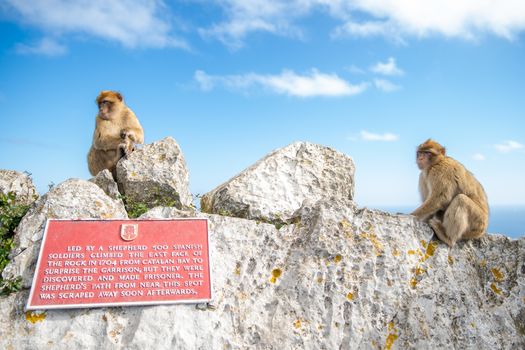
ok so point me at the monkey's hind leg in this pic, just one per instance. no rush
(456, 218)
(478, 222)
(439, 230)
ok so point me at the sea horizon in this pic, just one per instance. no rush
(507, 220)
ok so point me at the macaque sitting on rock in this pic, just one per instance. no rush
(117, 130)
(454, 202)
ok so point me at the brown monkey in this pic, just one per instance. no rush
(454, 202)
(117, 130)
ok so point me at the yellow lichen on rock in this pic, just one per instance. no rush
(495, 289)
(450, 260)
(419, 271)
(345, 224)
(297, 323)
(34, 317)
(347, 228)
(237, 269)
(430, 250)
(415, 252)
(276, 273)
(372, 237)
(392, 336)
(498, 276)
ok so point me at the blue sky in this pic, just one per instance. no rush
(231, 80)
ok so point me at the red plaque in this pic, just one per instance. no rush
(94, 263)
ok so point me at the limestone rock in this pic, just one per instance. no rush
(340, 277)
(105, 181)
(20, 184)
(72, 199)
(275, 187)
(156, 175)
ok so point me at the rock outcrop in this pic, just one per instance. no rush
(275, 187)
(105, 181)
(337, 277)
(155, 175)
(20, 184)
(72, 199)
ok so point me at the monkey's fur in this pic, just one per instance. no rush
(117, 130)
(454, 202)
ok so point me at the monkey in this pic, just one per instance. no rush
(117, 130)
(454, 204)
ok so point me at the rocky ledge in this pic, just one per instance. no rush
(300, 267)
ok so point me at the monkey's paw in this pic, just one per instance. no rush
(127, 135)
(124, 150)
(124, 133)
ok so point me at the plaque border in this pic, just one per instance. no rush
(133, 303)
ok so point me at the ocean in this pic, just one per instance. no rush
(505, 220)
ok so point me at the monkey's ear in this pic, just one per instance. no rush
(119, 95)
(443, 150)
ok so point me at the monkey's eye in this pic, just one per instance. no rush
(424, 153)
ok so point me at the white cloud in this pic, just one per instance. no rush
(509, 146)
(396, 19)
(288, 82)
(388, 68)
(385, 85)
(205, 81)
(245, 17)
(368, 29)
(150, 23)
(479, 157)
(46, 46)
(451, 18)
(132, 23)
(387, 137)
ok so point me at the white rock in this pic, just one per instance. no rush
(276, 186)
(155, 174)
(105, 181)
(72, 199)
(349, 279)
(20, 184)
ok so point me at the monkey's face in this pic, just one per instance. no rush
(428, 153)
(423, 159)
(108, 102)
(105, 109)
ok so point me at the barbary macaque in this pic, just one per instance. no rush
(117, 131)
(454, 202)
